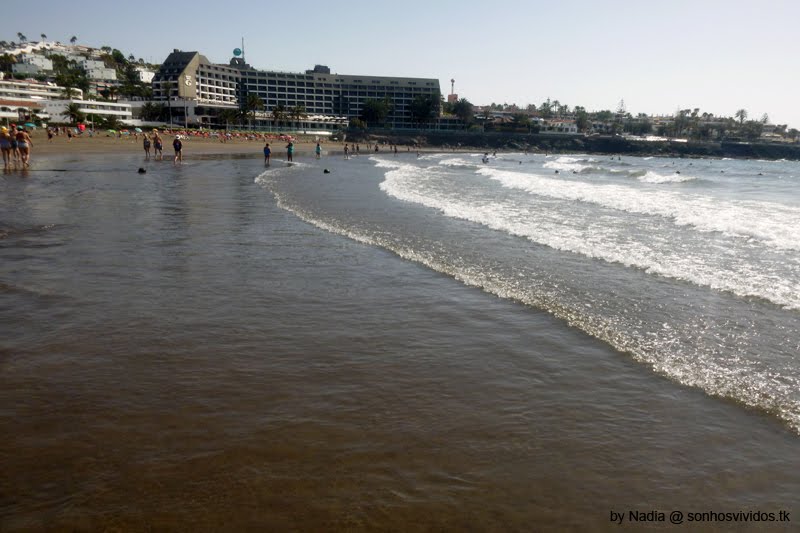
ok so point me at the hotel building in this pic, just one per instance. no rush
(23, 98)
(201, 90)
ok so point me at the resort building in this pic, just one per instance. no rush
(21, 99)
(204, 89)
(57, 109)
(97, 70)
(32, 64)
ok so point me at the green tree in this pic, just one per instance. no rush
(73, 40)
(521, 121)
(22, 38)
(752, 129)
(7, 62)
(43, 36)
(151, 112)
(74, 113)
(298, 113)
(278, 114)
(69, 90)
(581, 119)
(464, 110)
(227, 116)
(375, 111)
(741, 115)
(252, 105)
(425, 108)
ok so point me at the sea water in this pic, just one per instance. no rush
(691, 267)
(401, 343)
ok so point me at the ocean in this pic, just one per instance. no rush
(406, 342)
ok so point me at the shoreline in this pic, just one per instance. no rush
(304, 147)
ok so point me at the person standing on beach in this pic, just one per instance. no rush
(346, 151)
(289, 151)
(24, 145)
(178, 146)
(318, 151)
(146, 142)
(157, 146)
(14, 149)
(267, 154)
(5, 146)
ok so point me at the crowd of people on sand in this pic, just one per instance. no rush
(15, 144)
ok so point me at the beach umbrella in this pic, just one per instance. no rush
(112, 131)
(137, 130)
(30, 125)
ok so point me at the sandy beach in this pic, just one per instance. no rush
(128, 144)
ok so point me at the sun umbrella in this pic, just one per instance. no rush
(112, 131)
(30, 125)
(137, 130)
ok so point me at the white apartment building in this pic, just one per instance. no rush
(57, 109)
(27, 97)
(145, 75)
(97, 70)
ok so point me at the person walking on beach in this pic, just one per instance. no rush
(267, 154)
(157, 146)
(318, 151)
(14, 148)
(5, 146)
(178, 146)
(24, 145)
(146, 143)
(289, 151)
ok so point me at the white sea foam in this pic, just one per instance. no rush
(655, 177)
(774, 224)
(568, 164)
(456, 162)
(608, 240)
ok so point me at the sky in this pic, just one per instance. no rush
(657, 57)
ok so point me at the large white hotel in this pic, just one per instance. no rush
(198, 90)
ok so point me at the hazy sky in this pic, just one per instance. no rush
(658, 56)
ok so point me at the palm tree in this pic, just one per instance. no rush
(227, 116)
(167, 86)
(741, 115)
(21, 37)
(253, 104)
(43, 36)
(278, 114)
(73, 40)
(68, 91)
(298, 113)
(74, 113)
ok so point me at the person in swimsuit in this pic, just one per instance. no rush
(24, 145)
(178, 146)
(5, 146)
(146, 142)
(318, 151)
(267, 154)
(289, 151)
(157, 145)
